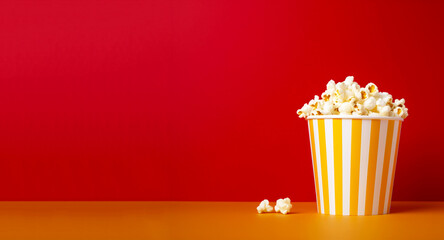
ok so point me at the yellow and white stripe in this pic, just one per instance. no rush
(354, 160)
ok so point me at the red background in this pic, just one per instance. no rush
(196, 100)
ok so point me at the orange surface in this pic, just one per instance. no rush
(211, 220)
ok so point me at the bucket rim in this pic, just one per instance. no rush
(353, 117)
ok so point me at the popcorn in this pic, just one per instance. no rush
(345, 108)
(386, 97)
(339, 95)
(373, 114)
(264, 206)
(354, 87)
(283, 205)
(372, 89)
(331, 85)
(316, 112)
(359, 110)
(340, 86)
(350, 95)
(398, 111)
(348, 98)
(301, 114)
(304, 111)
(400, 103)
(326, 96)
(405, 112)
(385, 111)
(349, 80)
(380, 102)
(370, 103)
(328, 108)
(364, 93)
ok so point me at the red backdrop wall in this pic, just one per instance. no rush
(196, 100)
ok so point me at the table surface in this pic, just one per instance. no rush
(211, 220)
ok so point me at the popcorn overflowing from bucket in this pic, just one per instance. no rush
(348, 98)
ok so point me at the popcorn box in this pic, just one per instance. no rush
(354, 161)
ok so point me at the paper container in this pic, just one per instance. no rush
(354, 161)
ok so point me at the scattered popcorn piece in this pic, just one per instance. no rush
(283, 205)
(264, 206)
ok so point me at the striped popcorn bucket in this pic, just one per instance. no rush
(354, 161)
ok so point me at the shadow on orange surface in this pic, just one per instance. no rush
(404, 207)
